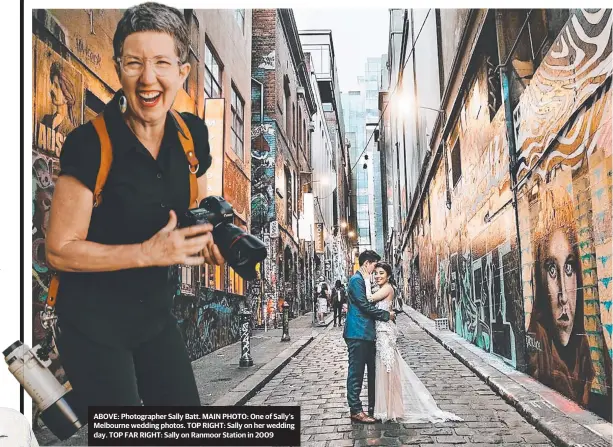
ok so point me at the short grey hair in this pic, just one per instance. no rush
(153, 17)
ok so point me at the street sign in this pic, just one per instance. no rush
(319, 238)
(274, 229)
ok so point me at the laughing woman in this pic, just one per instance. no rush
(119, 343)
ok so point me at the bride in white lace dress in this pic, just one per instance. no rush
(399, 394)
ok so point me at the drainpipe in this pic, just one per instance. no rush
(510, 129)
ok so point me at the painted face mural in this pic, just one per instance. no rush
(558, 273)
(559, 349)
(59, 95)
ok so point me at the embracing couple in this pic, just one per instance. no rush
(395, 393)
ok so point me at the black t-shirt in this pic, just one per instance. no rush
(126, 306)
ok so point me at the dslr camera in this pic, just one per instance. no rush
(242, 250)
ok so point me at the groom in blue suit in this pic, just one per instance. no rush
(359, 334)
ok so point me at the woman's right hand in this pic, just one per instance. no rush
(188, 246)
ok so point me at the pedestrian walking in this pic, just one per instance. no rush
(322, 304)
(339, 298)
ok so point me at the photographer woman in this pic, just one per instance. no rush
(119, 342)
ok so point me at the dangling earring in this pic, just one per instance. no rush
(123, 104)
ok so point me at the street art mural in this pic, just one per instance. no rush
(58, 101)
(563, 127)
(57, 107)
(208, 321)
(464, 261)
(532, 285)
(263, 154)
(579, 61)
(263, 198)
(235, 187)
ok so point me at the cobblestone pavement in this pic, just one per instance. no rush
(222, 365)
(216, 373)
(316, 379)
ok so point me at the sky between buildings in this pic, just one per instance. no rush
(356, 34)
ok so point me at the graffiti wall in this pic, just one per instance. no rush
(208, 321)
(263, 172)
(463, 261)
(263, 154)
(529, 281)
(565, 212)
(235, 187)
(57, 109)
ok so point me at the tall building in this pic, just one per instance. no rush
(502, 135)
(355, 126)
(282, 106)
(361, 124)
(371, 86)
(330, 164)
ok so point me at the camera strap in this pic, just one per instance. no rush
(188, 147)
(47, 317)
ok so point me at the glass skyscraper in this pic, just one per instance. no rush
(361, 115)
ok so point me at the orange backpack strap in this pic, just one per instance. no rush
(188, 147)
(52, 292)
(106, 157)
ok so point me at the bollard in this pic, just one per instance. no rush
(246, 359)
(314, 311)
(285, 336)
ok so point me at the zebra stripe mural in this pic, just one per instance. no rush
(563, 132)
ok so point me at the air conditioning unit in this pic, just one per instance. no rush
(311, 126)
(300, 91)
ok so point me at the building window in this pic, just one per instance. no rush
(238, 128)
(191, 82)
(236, 284)
(212, 75)
(187, 283)
(294, 122)
(456, 163)
(299, 127)
(288, 197)
(288, 108)
(543, 27)
(239, 15)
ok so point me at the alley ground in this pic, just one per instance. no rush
(316, 380)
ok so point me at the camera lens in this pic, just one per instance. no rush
(241, 250)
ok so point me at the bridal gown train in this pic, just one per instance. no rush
(399, 394)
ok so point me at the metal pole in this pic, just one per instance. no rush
(246, 359)
(285, 336)
(312, 253)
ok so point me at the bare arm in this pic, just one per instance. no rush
(381, 294)
(67, 249)
(357, 296)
